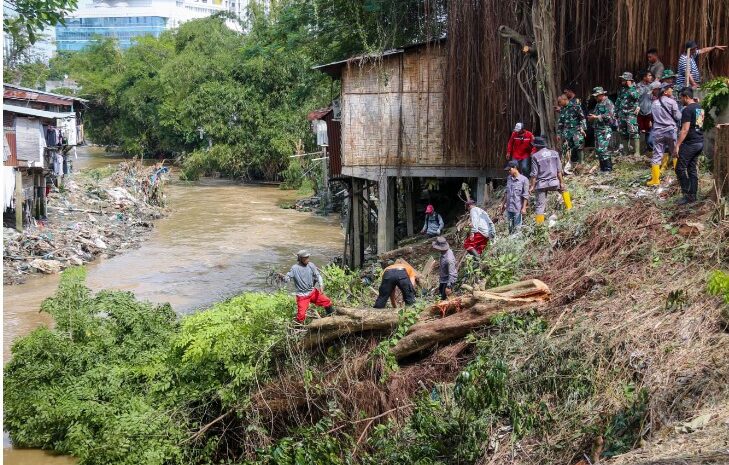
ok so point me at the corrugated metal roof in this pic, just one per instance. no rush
(334, 68)
(318, 114)
(39, 113)
(34, 94)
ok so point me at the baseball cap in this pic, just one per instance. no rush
(511, 164)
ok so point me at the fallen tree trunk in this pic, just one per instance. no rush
(442, 322)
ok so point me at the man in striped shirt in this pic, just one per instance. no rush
(689, 59)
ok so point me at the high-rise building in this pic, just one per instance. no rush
(125, 20)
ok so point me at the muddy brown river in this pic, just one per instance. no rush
(218, 239)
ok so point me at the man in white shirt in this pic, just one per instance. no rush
(482, 230)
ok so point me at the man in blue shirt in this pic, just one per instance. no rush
(516, 196)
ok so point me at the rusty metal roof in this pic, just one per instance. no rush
(11, 91)
(318, 114)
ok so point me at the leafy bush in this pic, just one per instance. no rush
(344, 285)
(223, 350)
(122, 381)
(76, 389)
(715, 101)
(719, 285)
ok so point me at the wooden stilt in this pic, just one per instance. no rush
(385, 214)
(18, 200)
(357, 236)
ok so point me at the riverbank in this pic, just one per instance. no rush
(95, 213)
(623, 364)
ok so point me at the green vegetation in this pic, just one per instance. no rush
(716, 100)
(32, 16)
(229, 102)
(121, 381)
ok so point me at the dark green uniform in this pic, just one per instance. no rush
(627, 105)
(571, 128)
(605, 112)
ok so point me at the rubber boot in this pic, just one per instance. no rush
(636, 151)
(539, 219)
(567, 200)
(664, 162)
(609, 165)
(655, 176)
(675, 162)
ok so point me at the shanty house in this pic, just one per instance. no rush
(40, 132)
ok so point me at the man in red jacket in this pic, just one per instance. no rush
(520, 148)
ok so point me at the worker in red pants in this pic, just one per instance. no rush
(306, 277)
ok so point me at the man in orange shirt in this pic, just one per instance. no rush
(398, 275)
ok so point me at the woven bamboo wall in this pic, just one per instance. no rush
(392, 110)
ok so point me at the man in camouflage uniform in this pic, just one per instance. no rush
(602, 119)
(628, 106)
(571, 127)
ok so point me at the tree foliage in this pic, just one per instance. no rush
(32, 16)
(227, 101)
(124, 382)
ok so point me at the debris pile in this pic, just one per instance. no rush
(89, 216)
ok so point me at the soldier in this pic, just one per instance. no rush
(602, 119)
(546, 176)
(628, 107)
(571, 128)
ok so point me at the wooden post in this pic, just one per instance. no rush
(325, 187)
(481, 195)
(18, 200)
(367, 216)
(44, 200)
(385, 215)
(409, 207)
(36, 196)
(356, 212)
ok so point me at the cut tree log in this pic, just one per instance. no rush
(439, 323)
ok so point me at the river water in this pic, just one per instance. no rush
(218, 239)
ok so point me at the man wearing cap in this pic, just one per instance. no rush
(602, 119)
(571, 127)
(516, 196)
(433, 225)
(519, 147)
(482, 230)
(398, 275)
(306, 277)
(665, 115)
(448, 273)
(628, 107)
(688, 59)
(546, 176)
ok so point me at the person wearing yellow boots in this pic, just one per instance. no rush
(665, 114)
(546, 176)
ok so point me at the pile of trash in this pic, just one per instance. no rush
(87, 218)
